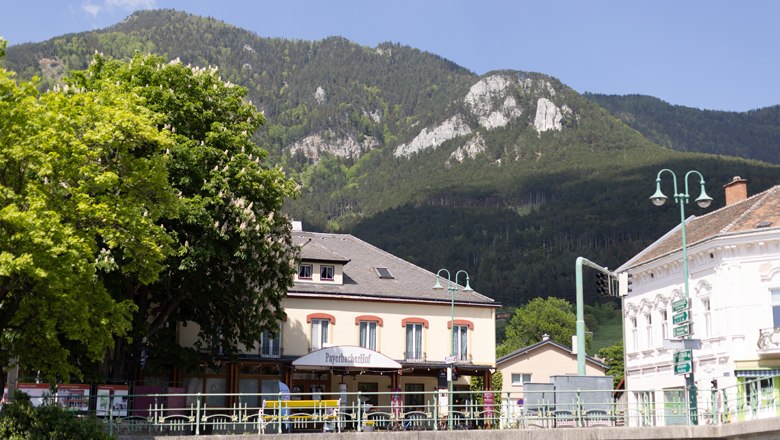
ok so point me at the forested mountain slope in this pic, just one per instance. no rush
(510, 175)
(754, 134)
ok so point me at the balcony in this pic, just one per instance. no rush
(414, 356)
(769, 342)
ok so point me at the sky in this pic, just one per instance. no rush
(708, 54)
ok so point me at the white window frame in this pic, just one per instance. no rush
(634, 336)
(319, 333)
(461, 338)
(664, 324)
(302, 269)
(271, 347)
(706, 305)
(323, 269)
(368, 332)
(415, 352)
(775, 298)
(520, 379)
(649, 330)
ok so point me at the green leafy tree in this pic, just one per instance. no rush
(552, 316)
(82, 187)
(613, 356)
(233, 256)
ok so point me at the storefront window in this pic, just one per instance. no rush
(369, 392)
(414, 397)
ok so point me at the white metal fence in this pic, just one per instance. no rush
(191, 414)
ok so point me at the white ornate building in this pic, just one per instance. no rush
(734, 310)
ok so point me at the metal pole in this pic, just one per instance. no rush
(452, 349)
(581, 309)
(682, 198)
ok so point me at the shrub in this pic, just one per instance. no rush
(20, 420)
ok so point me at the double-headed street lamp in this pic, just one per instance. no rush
(681, 199)
(452, 287)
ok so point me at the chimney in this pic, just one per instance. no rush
(545, 337)
(736, 190)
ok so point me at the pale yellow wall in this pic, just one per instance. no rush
(391, 336)
(543, 363)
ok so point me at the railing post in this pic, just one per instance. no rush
(359, 415)
(579, 409)
(110, 417)
(197, 416)
(436, 410)
(279, 412)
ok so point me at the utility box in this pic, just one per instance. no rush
(583, 393)
(538, 397)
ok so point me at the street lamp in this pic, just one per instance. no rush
(452, 287)
(681, 199)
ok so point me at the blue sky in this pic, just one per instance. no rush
(709, 54)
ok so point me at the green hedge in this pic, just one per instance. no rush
(20, 420)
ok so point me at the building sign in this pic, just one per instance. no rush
(682, 330)
(39, 393)
(111, 400)
(346, 356)
(73, 396)
(679, 318)
(680, 305)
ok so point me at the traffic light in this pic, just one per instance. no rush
(455, 373)
(624, 283)
(603, 284)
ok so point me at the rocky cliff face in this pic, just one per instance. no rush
(345, 146)
(493, 101)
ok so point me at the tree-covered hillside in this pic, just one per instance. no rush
(754, 134)
(509, 175)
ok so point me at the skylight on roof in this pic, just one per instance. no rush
(384, 273)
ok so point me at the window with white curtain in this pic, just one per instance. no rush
(319, 333)
(271, 343)
(414, 342)
(460, 335)
(368, 334)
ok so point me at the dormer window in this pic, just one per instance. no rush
(326, 273)
(304, 272)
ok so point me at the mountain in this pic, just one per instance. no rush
(509, 175)
(754, 134)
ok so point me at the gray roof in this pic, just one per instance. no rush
(408, 283)
(524, 350)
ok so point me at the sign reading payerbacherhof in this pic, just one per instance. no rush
(346, 356)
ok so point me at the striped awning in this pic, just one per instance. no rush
(758, 373)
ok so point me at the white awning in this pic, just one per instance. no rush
(346, 356)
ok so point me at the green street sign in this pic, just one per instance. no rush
(683, 368)
(682, 330)
(679, 305)
(682, 356)
(679, 318)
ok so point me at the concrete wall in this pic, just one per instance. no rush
(766, 429)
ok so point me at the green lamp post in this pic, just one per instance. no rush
(452, 287)
(681, 199)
